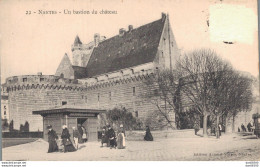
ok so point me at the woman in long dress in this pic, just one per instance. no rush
(121, 138)
(148, 136)
(52, 137)
(65, 136)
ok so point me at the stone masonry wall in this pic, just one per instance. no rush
(129, 93)
(30, 96)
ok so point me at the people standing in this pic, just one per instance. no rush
(104, 138)
(52, 137)
(65, 136)
(81, 133)
(196, 125)
(148, 136)
(249, 126)
(84, 135)
(111, 137)
(76, 136)
(219, 129)
(243, 127)
(106, 134)
(121, 138)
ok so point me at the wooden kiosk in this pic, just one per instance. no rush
(72, 117)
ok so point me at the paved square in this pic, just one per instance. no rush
(175, 146)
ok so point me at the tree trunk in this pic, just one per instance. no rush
(226, 124)
(217, 128)
(233, 124)
(205, 126)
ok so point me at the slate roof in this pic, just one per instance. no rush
(134, 48)
(79, 72)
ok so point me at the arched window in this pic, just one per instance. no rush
(62, 75)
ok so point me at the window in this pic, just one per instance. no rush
(41, 79)
(63, 103)
(98, 97)
(4, 107)
(110, 96)
(24, 79)
(4, 112)
(86, 99)
(162, 54)
(62, 75)
(136, 114)
(132, 70)
(164, 41)
(133, 91)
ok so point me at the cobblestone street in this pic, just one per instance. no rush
(176, 146)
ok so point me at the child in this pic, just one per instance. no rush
(103, 137)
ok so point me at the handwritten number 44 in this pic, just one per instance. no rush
(28, 12)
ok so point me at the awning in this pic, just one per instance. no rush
(68, 110)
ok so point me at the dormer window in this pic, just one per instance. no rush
(132, 70)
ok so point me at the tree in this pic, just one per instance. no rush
(200, 72)
(26, 126)
(11, 126)
(119, 116)
(161, 90)
(4, 124)
(240, 96)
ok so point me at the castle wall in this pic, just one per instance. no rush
(129, 93)
(25, 97)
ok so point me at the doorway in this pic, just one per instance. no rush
(82, 122)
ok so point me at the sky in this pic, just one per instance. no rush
(37, 42)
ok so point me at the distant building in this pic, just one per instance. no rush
(4, 103)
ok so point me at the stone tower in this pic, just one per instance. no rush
(82, 52)
(77, 54)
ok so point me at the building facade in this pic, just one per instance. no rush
(4, 103)
(102, 74)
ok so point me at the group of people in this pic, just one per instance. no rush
(249, 127)
(79, 136)
(111, 139)
(213, 129)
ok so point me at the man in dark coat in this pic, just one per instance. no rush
(112, 137)
(243, 127)
(249, 126)
(148, 136)
(52, 137)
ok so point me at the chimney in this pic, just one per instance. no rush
(96, 39)
(121, 31)
(130, 28)
(163, 15)
(39, 73)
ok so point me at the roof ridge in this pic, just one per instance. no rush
(132, 29)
